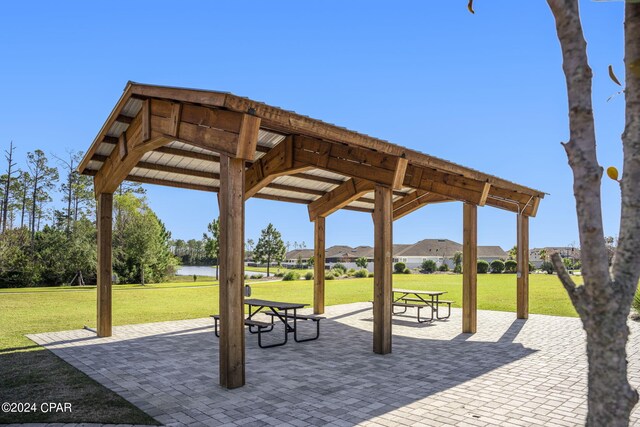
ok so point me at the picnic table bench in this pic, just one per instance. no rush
(411, 298)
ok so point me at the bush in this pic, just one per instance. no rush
(399, 267)
(279, 274)
(443, 267)
(483, 266)
(292, 275)
(429, 266)
(457, 269)
(532, 267)
(547, 267)
(497, 266)
(329, 276)
(351, 272)
(341, 267)
(510, 266)
(370, 274)
(636, 303)
(406, 271)
(361, 273)
(337, 273)
(308, 276)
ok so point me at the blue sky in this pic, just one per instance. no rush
(484, 90)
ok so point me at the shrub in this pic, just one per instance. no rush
(257, 276)
(309, 275)
(370, 274)
(443, 267)
(361, 273)
(246, 276)
(351, 272)
(457, 269)
(429, 266)
(341, 267)
(510, 266)
(279, 274)
(329, 276)
(362, 262)
(532, 267)
(483, 266)
(406, 271)
(497, 266)
(292, 275)
(547, 267)
(399, 267)
(337, 273)
(636, 304)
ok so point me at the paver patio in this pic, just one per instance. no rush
(511, 373)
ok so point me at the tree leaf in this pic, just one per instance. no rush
(613, 76)
(470, 6)
(612, 173)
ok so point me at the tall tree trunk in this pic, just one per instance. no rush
(142, 274)
(24, 205)
(7, 186)
(33, 205)
(604, 301)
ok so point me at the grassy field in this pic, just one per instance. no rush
(31, 374)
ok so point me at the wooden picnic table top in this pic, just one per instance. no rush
(274, 304)
(418, 292)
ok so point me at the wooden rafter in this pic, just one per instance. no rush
(414, 201)
(339, 197)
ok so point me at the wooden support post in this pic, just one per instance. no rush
(231, 265)
(104, 219)
(469, 268)
(523, 267)
(382, 274)
(318, 265)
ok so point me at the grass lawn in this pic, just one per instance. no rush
(31, 374)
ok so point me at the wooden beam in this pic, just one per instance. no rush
(523, 267)
(346, 160)
(414, 201)
(231, 200)
(318, 265)
(398, 177)
(382, 275)
(117, 167)
(233, 133)
(451, 186)
(339, 197)
(104, 224)
(469, 268)
(485, 194)
(277, 162)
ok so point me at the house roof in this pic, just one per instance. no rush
(191, 128)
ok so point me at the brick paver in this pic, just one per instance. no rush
(511, 373)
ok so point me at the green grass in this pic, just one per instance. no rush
(41, 376)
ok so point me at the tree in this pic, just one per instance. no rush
(270, 247)
(457, 262)
(4, 205)
(43, 178)
(212, 242)
(311, 261)
(513, 252)
(362, 262)
(604, 301)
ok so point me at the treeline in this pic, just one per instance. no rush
(47, 243)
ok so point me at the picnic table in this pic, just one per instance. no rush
(419, 299)
(287, 313)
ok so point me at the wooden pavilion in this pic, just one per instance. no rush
(240, 148)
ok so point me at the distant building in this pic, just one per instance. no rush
(536, 254)
(439, 250)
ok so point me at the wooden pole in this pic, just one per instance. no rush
(523, 267)
(318, 265)
(104, 213)
(231, 199)
(469, 268)
(382, 274)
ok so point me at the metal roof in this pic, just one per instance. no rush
(179, 163)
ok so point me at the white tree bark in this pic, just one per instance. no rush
(604, 301)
